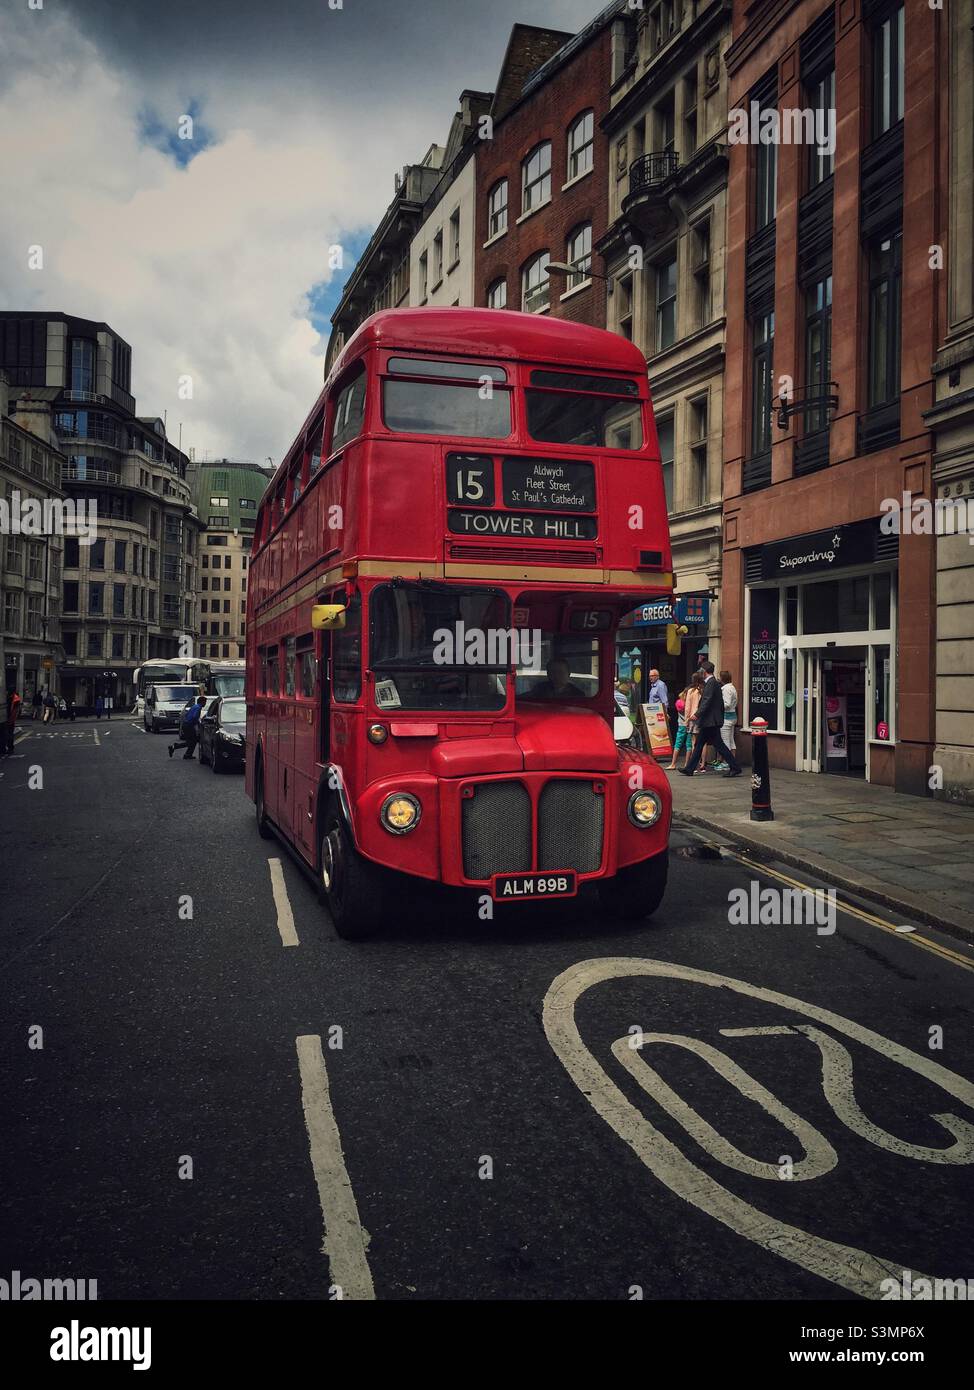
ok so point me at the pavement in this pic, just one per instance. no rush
(912, 854)
(206, 1094)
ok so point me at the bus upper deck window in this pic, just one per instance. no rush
(349, 412)
(432, 403)
(592, 411)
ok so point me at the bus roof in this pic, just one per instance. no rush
(496, 333)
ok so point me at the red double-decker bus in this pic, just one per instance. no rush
(439, 569)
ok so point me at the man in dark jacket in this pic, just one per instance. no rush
(710, 719)
(189, 729)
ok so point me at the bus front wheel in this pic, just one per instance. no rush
(352, 888)
(636, 891)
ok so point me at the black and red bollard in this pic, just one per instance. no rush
(760, 772)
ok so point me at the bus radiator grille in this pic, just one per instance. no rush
(497, 830)
(571, 822)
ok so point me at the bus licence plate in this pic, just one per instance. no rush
(515, 887)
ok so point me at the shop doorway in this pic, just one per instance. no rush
(832, 691)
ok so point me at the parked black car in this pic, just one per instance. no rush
(221, 734)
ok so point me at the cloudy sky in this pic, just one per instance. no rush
(210, 256)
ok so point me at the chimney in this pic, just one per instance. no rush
(34, 416)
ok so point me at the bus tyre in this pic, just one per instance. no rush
(636, 891)
(351, 887)
(263, 825)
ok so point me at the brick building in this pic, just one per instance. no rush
(835, 312)
(542, 181)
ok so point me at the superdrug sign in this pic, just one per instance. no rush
(819, 551)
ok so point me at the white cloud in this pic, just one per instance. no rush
(204, 269)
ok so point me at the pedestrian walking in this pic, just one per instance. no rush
(692, 704)
(50, 708)
(710, 718)
(10, 722)
(728, 693)
(189, 729)
(99, 707)
(71, 711)
(681, 744)
(37, 704)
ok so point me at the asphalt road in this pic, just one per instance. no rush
(492, 1145)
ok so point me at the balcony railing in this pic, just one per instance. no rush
(70, 472)
(650, 170)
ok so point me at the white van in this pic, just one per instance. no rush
(164, 705)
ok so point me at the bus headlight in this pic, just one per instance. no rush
(645, 808)
(400, 813)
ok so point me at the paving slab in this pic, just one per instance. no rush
(912, 854)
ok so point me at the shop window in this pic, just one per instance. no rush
(882, 588)
(836, 605)
(881, 724)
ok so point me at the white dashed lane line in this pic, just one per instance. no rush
(285, 917)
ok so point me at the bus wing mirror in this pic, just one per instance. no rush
(328, 615)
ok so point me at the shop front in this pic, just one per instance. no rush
(641, 644)
(820, 619)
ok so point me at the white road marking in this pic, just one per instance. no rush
(285, 917)
(94, 734)
(345, 1241)
(844, 1265)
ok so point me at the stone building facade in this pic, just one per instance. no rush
(664, 249)
(227, 496)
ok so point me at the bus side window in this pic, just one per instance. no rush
(349, 412)
(289, 666)
(346, 654)
(273, 671)
(306, 665)
(262, 678)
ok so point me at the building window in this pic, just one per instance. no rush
(821, 97)
(885, 270)
(11, 612)
(69, 641)
(536, 177)
(700, 243)
(35, 559)
(818, 349)
(497, 209)
(624, 307)
(96, 598)
(765, 184)
(437, 258)
(497, 295)
(96, 555)
(454, 238)
(221, 479)
(665, 435)
(33, 615)
(888, 71)
(424, 277)
(762, 382)
(82, 365)
(535, 285)
(70, 596)
(579, 256)
(217, 502)
(665, 304)
(120, 548)
(581, 145)
(94, 644)
(689, 113)
(699, 490)
(118, 644)
(118, 600)
(665, 126)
